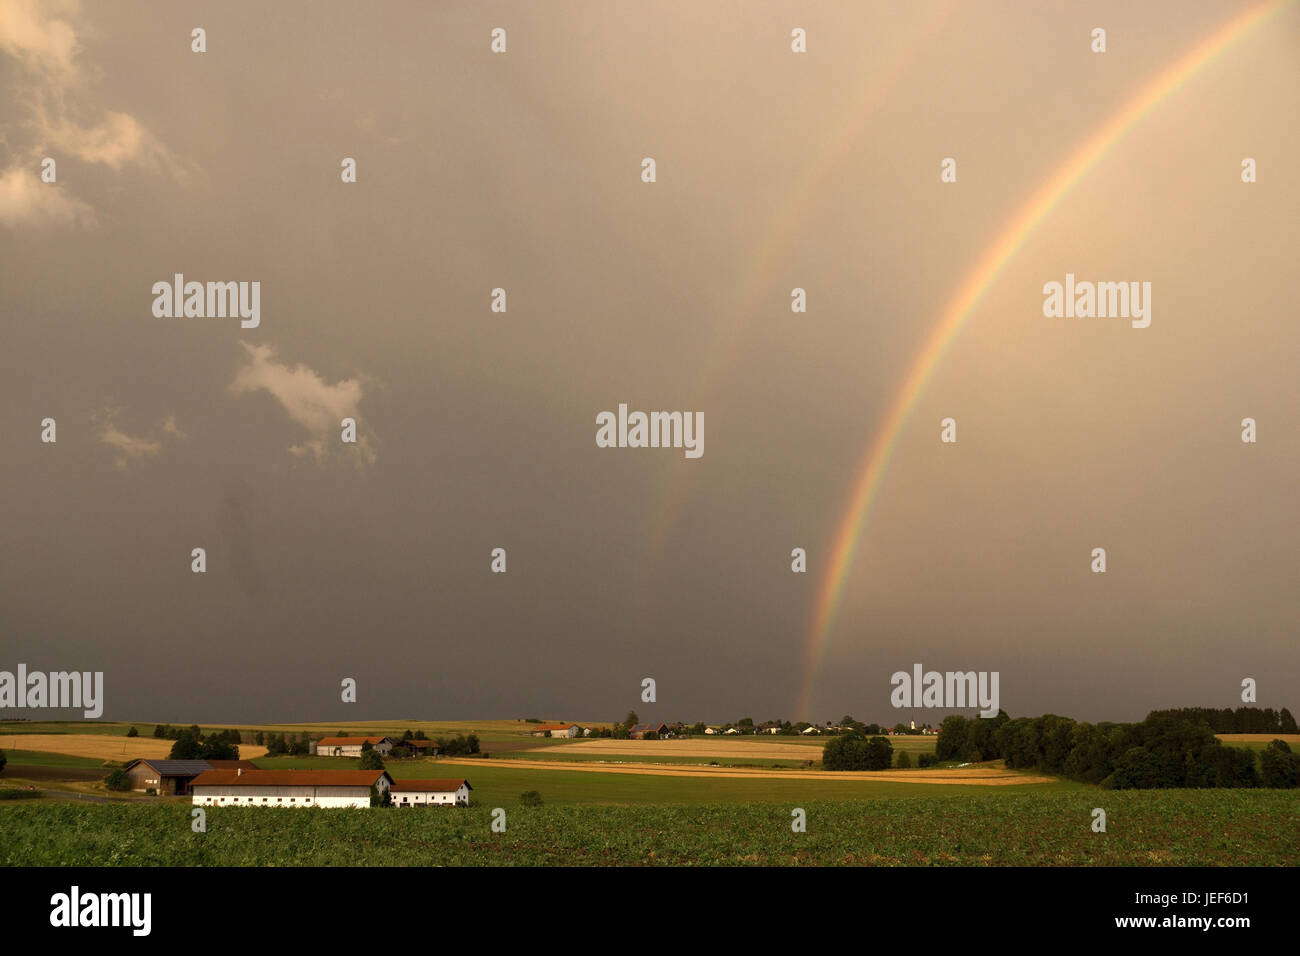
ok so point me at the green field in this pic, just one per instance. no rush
(41, 758)
(501, 786)
(1040, 828)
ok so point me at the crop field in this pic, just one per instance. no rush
(992, 828)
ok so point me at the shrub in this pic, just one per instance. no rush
(530, 798)
(904, 760)
(117, 780)
(133, 732)
(152, 791)
(927, 760)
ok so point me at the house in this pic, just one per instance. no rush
(810, 730)
(427, 793)
(711, 730)
(173, 777)
(421, 748)
(351, 746)
(640, 730)
(288, 788)
(557, 730)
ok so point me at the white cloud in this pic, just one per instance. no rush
(26, 201)
(60, 118)
(131, 447)
(309, 401)
(45, 44)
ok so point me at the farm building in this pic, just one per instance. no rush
(351, 746)
(175, 776)
(557, 730)
(421, 748)
(288, 788)
(640, 730)
(423, 793)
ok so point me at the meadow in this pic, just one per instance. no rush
(1045, 827)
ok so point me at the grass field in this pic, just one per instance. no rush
(1041, 828)
(501, 786)
(42, 758)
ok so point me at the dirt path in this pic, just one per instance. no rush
(978, 776)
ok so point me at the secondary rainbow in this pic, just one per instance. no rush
(875, 463)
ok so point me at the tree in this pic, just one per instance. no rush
(420, 735)
(117, 780)
(904, 760)
(370, 760)
(133, 732)
(158, 732)
(1286, 723)
(407, 735)
(631, 720)
(186, 747)
(852, 751)
(218, 749)
(1281, 767)
(3, 760)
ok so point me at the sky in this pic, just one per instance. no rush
(522, 170)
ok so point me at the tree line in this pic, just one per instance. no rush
(1167, 749)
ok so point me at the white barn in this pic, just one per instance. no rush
(287, 788)
(424, 793)
(351, 746)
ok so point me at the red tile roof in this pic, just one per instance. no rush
(288, 778)
(436, 786)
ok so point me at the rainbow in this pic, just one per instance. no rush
(878, 80)
(875, 463)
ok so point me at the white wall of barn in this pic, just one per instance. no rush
(263, 796)
(422, 798)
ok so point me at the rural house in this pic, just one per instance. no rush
(288, 788)
(425, 793)
(351, 746)
(640, 730)
(557, 730)
(170, 777)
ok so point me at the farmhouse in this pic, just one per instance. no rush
(427, 793)
(288, 788)
(175, 776)
(557, 730)
(351, 746)
(640, 730)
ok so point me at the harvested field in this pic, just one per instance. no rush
(102, 747)
(693, 747)
(979, 775)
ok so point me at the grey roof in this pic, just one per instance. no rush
(177, 768)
